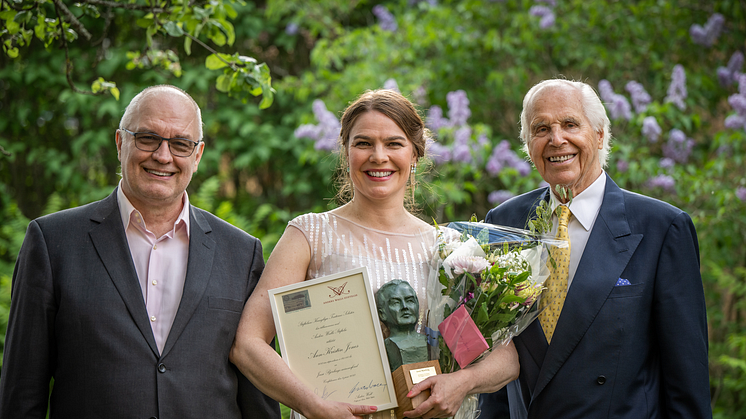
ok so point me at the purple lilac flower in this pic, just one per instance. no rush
(664, 182)
(640, 98)
(502, 156)
(458, 107)
(545, 13)
(462, 153)
(650, 129)
(325, 133)
(677, 90)
(727, 75)
(724, 151)
(741, 193)
(292, 28)
(622, 166)
(390, 84)
(707, 35)
(498, 197)
(435, 120)
(678, 147)
(738, 102)
(462, 135)
(666, 163)
(420, 95)
(439, 153)
(385, 19)
(617, 104)
(735, 122)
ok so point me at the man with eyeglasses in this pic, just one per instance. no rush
(130, 305)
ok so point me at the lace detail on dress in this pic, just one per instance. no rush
(338, 244)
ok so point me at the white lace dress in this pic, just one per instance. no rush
(338, 244)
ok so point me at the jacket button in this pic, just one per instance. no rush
(161, 367)
(600, 380)
(153, 417)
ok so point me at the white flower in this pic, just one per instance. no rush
(471, 264)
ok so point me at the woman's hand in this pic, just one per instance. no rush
(447, 392)
(329, 409)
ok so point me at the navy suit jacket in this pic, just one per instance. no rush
(77, 315)
(635, 351)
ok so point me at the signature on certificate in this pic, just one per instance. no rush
(370, 386)
(324, 393)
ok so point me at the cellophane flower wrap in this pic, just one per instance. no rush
(496, 273)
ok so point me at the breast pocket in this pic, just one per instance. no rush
(228, 304)
(623, 291)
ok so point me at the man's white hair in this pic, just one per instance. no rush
(592, 107)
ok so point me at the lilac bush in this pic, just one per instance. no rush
(439, 153)
(741, 193)
(729, 75)
(435, 120)
(738, 102)
(650, 129)
(666, 163)
(665, 182)
(678, 147)
(622, 166)
(326, 132)
(708, 34)
(498, 197)
(386, 20)
(545, 13)
(391, 84)
(458, 107)
(677, 89)
(640, 98)
(617, 105)
(292, 28)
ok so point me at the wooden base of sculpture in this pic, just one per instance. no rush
(405, 377)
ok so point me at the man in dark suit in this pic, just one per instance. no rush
(630, 340)
(130, 304)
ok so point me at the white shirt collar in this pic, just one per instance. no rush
(585, 205)
(126, 209)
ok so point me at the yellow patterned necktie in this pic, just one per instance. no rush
(553, 297)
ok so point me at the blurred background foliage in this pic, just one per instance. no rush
(466, 63)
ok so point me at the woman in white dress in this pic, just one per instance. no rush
(381, 139)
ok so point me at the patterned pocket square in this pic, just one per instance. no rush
(622, 282)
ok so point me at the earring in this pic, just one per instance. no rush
(414, 168)
(348, 169)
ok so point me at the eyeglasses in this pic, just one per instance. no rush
(147, 141)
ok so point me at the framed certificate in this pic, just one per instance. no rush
(330, 337)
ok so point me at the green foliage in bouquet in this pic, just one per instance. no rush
(497, 286)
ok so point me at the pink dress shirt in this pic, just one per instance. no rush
(160, 262)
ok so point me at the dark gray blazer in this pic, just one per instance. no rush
(78, 316)
(621, 351)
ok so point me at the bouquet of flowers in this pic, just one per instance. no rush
(484, 291)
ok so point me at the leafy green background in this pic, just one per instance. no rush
(58, 144)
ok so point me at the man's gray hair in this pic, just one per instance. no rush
(592, 106)
(134, 106)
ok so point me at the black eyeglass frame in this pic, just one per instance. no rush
(168, 140)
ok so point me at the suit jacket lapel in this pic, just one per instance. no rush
(609, 249)
(199, 267)
(110, 242)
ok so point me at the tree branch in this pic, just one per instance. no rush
(127, 6)
(68, 62)
(2, 150)
(71, 19)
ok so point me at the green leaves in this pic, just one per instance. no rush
(101, 85)
(242, 77)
